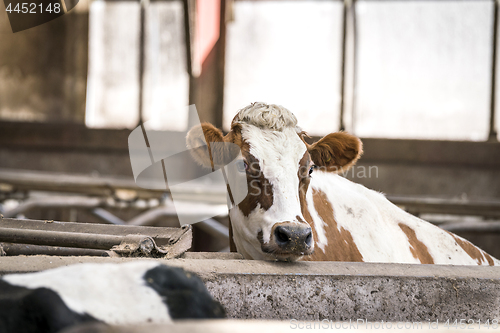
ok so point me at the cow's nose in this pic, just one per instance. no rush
(293, 237)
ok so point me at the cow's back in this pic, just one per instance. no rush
(353, 223)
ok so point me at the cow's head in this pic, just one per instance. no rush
(268, 223)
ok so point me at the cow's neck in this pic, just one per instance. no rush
(333, 242)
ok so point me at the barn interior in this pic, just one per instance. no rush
(415, 80)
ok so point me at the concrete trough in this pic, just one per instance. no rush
(337, 291)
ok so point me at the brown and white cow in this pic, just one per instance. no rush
(299, 207)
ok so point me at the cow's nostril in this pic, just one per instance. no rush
(281, 235)
(309, 238)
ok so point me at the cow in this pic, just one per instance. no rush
(116, 294)
(298, 205)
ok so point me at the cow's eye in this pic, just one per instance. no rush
(311, 169)
(241, 166)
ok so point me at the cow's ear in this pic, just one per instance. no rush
(336, 151)
(197, 140)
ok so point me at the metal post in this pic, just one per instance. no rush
(492, 136)
(187, 35)
(354, 64)
(347, 5)
(144, 5)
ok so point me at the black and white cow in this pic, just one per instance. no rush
(117, 294)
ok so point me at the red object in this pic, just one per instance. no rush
(207, 28)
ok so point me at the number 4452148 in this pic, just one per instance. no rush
(33, 8)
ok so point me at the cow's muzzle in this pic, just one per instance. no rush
(289, 241)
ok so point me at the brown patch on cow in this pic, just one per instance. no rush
(489, 259)
(235, 137)
(418, 249)
(260, 190)
(336, 152)
(260, 237)
(304, 209)
(473, 251)
(232, 244)
(211, 149)
(304, 180)
(304, 166)
(341, 246)
(201, 137)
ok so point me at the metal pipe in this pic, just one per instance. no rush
(144, 5)
(492, 135)
(53, 202)
(59, 238)
(488, 227)
(354, 64)
(214, 228)
(187, 6)
(347, 5)
(107, 216)
(447, 206)
(199, 211)
(152, 214)
(29, 249)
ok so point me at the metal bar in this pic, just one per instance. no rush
(107, 216)
(26, 180)
(492, 135)
(161, 235)
(144, 5)
(214, 228)
(189, 17)
(347, 5)
(60, 238)
(124, 240)
(53, 202)
(225, 11)
(485, 227)
(187, 36)
(200, 211)
(354, 65)
(11, 249)
(149, 216)
(445, 206)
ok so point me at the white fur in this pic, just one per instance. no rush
(267, 116)
(245, 231)
(373, 222)
(113, 293)
(319, 224)
(279, 153)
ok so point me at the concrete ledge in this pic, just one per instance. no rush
(252, 326)
(328, 290)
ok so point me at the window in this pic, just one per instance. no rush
(287, 53)
(113, 82)
(424, 69)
